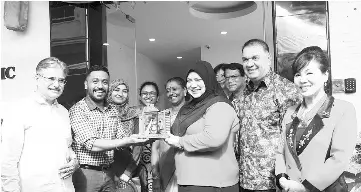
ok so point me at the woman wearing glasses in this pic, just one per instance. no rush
(319, 134)
(149, 95)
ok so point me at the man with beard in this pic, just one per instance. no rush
(235, 79)
(97, 132)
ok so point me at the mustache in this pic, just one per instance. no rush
(99, 89)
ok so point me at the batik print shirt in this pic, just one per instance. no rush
(261, 111)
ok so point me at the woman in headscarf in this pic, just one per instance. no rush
(125, 163)
(203, 134)
(119, 95)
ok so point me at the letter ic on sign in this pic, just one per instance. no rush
(7, 73)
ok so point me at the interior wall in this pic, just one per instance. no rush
(232, 51)
(345, 47)
(24, 50)
(121, 64)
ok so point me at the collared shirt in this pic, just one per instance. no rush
(261, 109)
(89, 123)
(35, 144)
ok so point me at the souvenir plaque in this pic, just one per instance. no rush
(154, 123)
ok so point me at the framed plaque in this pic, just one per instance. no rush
(154, 123)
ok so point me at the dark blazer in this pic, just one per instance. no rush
(335, 127)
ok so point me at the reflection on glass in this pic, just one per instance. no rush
(69, 43)
(298, 25)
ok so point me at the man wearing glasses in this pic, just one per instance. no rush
(97, 132)
(36, 145)
(261, 108)
(235, 79)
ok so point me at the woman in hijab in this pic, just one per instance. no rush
(125, 164)
(202, 136)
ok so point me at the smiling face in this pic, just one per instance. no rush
(234, 80)
(310, 80)
(97, 85)
(148, 95)
(50, 82)
(195, 85)
(256, 62)
(175, 93)
(120, 94)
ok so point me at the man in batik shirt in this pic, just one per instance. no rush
(261, 108)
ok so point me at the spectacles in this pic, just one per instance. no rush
(52, 80)
(234, 77)
(152, 94)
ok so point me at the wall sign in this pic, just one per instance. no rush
(7, 73)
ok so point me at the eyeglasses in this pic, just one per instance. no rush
(152, 94)
(52, 80)
(233, 77)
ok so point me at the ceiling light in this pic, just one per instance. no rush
(106, 44)
(224, 32)
(151, 39)
(179, 57)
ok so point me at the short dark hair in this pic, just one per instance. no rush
(235, 66)
(179, 80)
(309, 54)
(97, 68)
(219, 67)
(256, 42)
(149, 83)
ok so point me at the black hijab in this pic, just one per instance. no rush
(195, 109)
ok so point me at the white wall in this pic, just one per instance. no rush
(345, 47)
(121, 64)
(24, 50)
(232, 52)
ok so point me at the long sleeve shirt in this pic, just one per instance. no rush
(208, 158)
(35, 144)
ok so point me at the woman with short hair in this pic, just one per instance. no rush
(319, 134)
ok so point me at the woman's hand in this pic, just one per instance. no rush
(173, 141)
(292, 186)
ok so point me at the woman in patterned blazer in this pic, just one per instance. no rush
(319, 134)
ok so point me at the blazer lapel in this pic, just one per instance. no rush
(291, 129)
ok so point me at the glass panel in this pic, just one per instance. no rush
(298, 25)
(69, 44)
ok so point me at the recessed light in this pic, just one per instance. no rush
(224, 32)
(179, 57)
(151, 39)
(106, 44)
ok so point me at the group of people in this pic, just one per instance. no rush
(235, 128)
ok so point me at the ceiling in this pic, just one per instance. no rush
(176, 31)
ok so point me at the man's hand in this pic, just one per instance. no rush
(136, 139)
(69, 168)
(173, 141)
(292, 186)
